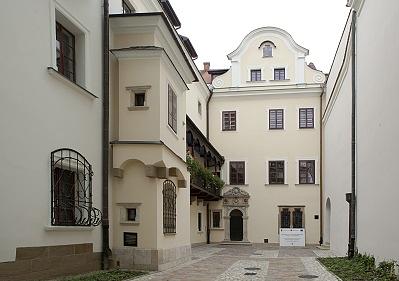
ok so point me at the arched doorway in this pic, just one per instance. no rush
(327, 229)
(236, 225)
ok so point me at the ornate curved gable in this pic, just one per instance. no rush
(236, 192)
(265, 31)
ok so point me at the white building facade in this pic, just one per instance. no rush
(375, 130)
(264, 119)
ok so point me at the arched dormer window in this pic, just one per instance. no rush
(267, 48)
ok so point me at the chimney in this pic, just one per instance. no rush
(207, 66)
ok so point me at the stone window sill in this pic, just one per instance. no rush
(217, 228)
(130, 222)
(284, 80)
(256, 81)
(68, 228)
(305, 184)
(138, 108)
(277, 184)
(169, 234)
(53, 72)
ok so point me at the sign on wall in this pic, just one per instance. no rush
(292, 237)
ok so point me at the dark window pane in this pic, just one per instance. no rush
(169, 207)
(276, 119)
(65, 50)
(130, 239)
(256, 75)
(139, 99)
(216, 219)
(297, 218)
(276, 172)
(237, 172)
(131, 214)
(229, 120)
(279, 74)
(307, 171)
(199, 222)
(172, 109)
(306, 118)
(285, 217)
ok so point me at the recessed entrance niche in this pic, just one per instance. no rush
(236, 231)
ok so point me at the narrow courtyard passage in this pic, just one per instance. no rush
(242, 263)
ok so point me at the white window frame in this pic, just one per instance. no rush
(82, 43)
(285, 70)
(285, 170)
(316, 172)
(315, 113)
(136, 90)
(284, 118)
(245, 167)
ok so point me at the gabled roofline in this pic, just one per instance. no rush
(270, 29)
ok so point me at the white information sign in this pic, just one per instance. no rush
(292, 237)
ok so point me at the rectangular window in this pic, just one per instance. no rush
(199, 108)
(64, 196)
(65, 44)
(267, 51)
(139, 99)
(279, 74)
(130, 239)
(306, 118)
(229, 122)
(237, 172)
(256, 75)
(292, 217)
(199, 221)
(126, 8)
(216, 217)
(276, 172)
(276, 119)
(172, 109)
(306, 171)
(131, 214)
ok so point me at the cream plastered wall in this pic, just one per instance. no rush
(217, 234)
(39, 114)
(255, 144)
(198, 93)
(139, 6)
(135, 190)
(197, 236)
(142, 124)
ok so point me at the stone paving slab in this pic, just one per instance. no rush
(245, 270)
(220, 263)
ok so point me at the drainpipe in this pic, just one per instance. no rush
(321, 167)
(207, 114)
(352, 214)
(208, 225)
(106, 252)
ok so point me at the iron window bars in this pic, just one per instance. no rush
(169, 207)
(71, 190)
(306, 118)
(292, 217)
(65, 49)
(172, 109)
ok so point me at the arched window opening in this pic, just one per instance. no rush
(169, 207)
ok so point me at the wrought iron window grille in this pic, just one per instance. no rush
(169, 207)
(71, 190)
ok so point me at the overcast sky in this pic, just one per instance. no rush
(216, 27)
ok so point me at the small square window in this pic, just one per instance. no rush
(130, 239)
(139, 99)
(131, 214)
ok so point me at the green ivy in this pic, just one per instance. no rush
(197, 170)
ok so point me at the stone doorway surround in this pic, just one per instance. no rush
(235, 199)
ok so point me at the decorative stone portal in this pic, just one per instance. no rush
(235, 205)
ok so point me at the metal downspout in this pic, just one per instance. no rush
(321, 167)
(352, 220)
(106, 252)
(207, 114)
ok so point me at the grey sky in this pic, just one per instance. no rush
(216, 27)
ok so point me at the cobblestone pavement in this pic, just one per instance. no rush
(246, 263)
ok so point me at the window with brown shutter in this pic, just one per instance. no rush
(229, 121)
(306, 118)
(172, 109)
(276, 172)
(256, 75)
(306, 171)
(276, 119)
(65, 50)
(279, 74)
(237, 172)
